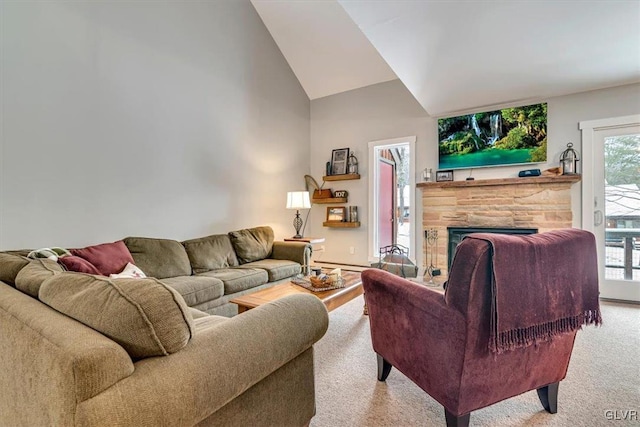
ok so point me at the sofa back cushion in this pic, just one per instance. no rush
(32, 275)
(145, 316)
(159, 258)
(210, 253)
(252, 244)
(10, 266)
(108, 258)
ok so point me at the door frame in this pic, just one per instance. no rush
(373, 191)
(589, 146)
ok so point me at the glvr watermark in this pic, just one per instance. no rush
(621, 415)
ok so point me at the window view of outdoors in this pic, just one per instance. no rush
(622, 207)
(403, 191)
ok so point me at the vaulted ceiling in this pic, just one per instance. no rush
(456, 56)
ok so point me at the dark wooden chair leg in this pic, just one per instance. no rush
(453, 421)
(384, 368)
(549, 397)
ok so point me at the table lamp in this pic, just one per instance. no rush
(298, 200)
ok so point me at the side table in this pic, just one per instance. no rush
(311, 240)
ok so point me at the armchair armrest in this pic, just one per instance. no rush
(299, 252)
(221, 362)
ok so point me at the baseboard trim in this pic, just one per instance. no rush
(344, 266)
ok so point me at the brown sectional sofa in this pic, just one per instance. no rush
(84, 350)
(210, 271)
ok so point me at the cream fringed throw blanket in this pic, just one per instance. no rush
(543, 285)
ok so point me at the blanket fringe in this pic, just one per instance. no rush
(523, 337)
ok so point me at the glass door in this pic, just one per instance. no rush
(614, 184)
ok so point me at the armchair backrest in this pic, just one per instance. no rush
(469, 280)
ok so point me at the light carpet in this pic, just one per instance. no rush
(604, 375)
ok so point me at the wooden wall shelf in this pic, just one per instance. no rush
(329, 200)
(502, 181)
(345, 177)
(337, 224)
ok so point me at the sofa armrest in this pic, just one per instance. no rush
(220, 363)
(49, 362)
(299, 252)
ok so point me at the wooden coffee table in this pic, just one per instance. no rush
(332, 299)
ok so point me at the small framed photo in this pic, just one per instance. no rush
(446, 175)
(339, 161)
(336, 214)
(340, 194)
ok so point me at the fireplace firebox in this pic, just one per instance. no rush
(456, 234)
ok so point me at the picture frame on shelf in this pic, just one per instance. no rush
(340, 194)
(444, 175)
(336, 213)
(339, 159)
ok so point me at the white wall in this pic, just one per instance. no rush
(565, 112)
(163, 119)
(353, 119)
(388, 110)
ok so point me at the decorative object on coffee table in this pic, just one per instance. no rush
(298, 200)
(323, 282)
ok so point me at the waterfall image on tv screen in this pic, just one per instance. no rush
(504, 137)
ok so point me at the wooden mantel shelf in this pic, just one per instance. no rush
(502, 181)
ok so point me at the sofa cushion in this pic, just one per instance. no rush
(276, 268)
(108, 258)
(159, 258)
(238, 279)
(30, 278)
(211, 252)
(252, 244)
(146, 317)
(10, 266)
(196, 289)
(78, 264)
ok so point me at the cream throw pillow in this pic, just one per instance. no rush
(130, 271)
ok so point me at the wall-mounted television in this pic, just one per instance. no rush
(511, 136)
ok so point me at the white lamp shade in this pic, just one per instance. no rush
(298, 200)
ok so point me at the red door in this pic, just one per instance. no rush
(386, 186)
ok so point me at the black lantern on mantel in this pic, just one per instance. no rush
(352, 164)
(569, 161)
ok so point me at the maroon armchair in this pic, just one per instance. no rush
(505, 325)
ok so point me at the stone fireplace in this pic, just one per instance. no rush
(533, 203)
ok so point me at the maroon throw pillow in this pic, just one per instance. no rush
(75, 263)
(109, 258)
